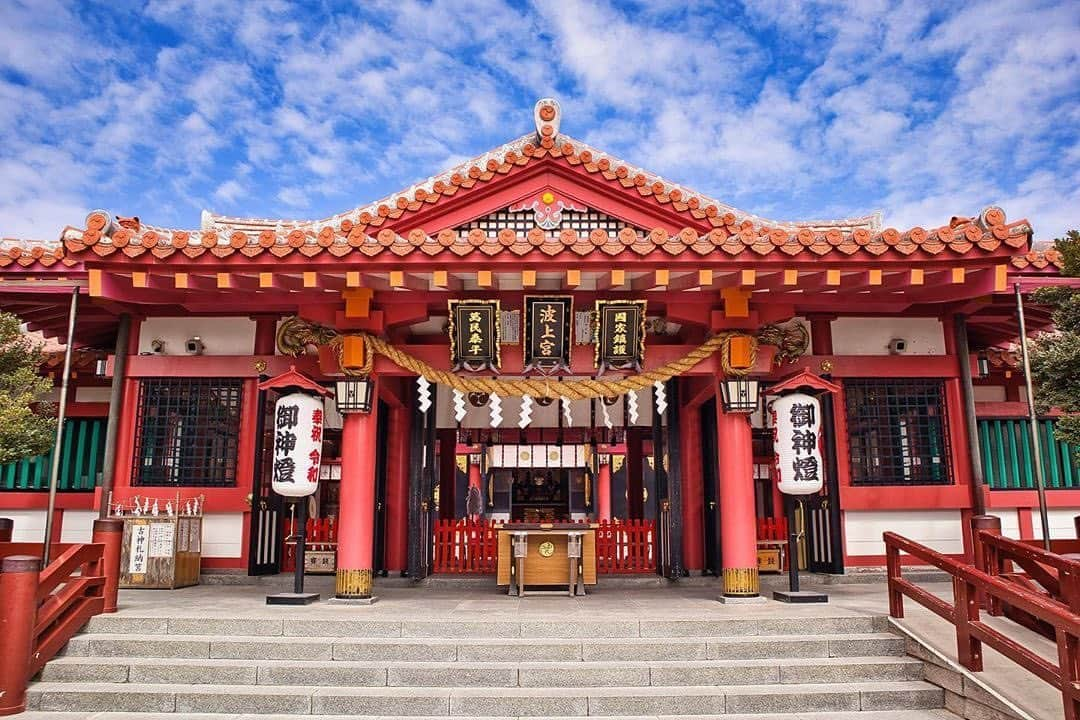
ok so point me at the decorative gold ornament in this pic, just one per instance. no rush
(260, 366)
(463, 463)
(546, 549)
(741, 582)
(353, 584)
(826, 366)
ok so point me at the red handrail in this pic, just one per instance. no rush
(964, 613)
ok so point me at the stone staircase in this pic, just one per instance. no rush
(773, 667)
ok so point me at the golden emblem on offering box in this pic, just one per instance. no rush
(546, 549)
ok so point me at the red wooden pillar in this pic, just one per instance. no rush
(738, 532)
(397, 490)
(603, 488)
(693, 500)
(110, 533)
(18, 611)
(356, 515)
(475, 483)
(265, 334)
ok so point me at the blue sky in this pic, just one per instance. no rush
(788, 110)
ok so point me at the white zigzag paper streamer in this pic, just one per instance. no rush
(661, 397)
(423, 391)
(459, 405)
(526, 412)
(607, 416)
(632, 407)
(566, 411)
(495, 405)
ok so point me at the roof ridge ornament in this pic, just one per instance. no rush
(547, 115)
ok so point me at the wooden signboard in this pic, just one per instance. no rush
(547, 332)
(161, 552)
(475, 333)
(620, 334)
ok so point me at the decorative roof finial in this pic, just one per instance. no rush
(547, 116)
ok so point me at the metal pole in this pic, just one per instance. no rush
(793, 542)
(116, 392)
(968, 391)
(54, 470)
(1037, 449)
(301, 543)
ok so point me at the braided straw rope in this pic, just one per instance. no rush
(574, 389)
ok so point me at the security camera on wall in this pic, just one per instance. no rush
(194, 346)
(897, 346)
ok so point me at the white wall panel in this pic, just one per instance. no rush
(1010, 521)
(221, 336)
(78, 526)
(1060, 521)
(989, 393)
(871, 335)
(29, 524)
(937, 529)
(223, 535)
(92, 394)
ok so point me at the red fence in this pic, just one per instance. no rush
(772, 529)
(970, 583)
(41, 610)
(472, 546)
(321, 535)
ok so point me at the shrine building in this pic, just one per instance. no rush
(543, 334)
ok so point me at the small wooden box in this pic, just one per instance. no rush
(161, 552)
(768, 560)
(320, 562)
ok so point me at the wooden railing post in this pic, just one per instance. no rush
(896, 597)
(109, 533)
(986, 557)
(18, 611)
(966, 611)
(7, 527)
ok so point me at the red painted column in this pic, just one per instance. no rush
(738, 534)
(693, 499)
(109, 532)
(603, 488)
(18, 588)
(356, 516)
(265, 334)
(475, 481)
(397, 490)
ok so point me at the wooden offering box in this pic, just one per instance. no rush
(547, 554)
(161, 552)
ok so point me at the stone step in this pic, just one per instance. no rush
(483, 650)
(492, 674)
(495, 626)
(867, 715)
(473, 702)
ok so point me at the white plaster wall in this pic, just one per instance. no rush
(937, 529)
(78, 526)
(223, 535)
(989, 393)
(29, 524)
(871, 335)
(221, 336)
(1060, 521)
(92, 394)
(1010, 521)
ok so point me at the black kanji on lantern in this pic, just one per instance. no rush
(547, 332)
(474, 334)
(620, 334)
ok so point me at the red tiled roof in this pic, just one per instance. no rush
(1039, 260)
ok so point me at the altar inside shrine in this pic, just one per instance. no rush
(546, 555)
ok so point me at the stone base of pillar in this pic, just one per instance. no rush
(353, 584)
(741, 582)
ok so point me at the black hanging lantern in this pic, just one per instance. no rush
(740, 394)
(353, 395)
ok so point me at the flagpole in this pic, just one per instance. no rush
(1040, 482)
(54, 469)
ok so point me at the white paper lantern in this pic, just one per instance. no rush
(796, 420)
(297, 457)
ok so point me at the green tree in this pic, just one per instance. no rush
(1055, 356)
(27, 425)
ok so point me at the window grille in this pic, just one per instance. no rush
(523, 221)
(187, 431)
(897, 432)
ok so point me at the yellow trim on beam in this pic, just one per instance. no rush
(180, 281)
(223, 280)
(528, 278)
(958, 276)
(311, 279)
(93, 278)
(138, 279)
(573, 278)
(704, 277)
(832, 278)
(661, 278)
(1001, 278)
(352, 279)
(439, 278)
(483, 278)
(266, 280)
(791, 277)
(618, 278)
(918, 276)
(875, 277)
(748, 277)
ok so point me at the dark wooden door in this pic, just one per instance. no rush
(710, 471)
(380, 489)
(265, 541)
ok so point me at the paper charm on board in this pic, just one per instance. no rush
(526, 412)
(607, 416)
(459, 405)
(495, 405)
(423, 393)
(566, 411)
(632, 407)
(661, 397)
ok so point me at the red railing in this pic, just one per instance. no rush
(772, 529)
(472, 546)
(969, 584)
(321, 535)
(41, 609)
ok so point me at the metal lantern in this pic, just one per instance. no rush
(354, 395)
(740, 394)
